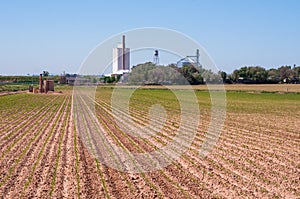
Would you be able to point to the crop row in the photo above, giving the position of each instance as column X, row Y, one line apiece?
column 30, row 148
column 227, row 158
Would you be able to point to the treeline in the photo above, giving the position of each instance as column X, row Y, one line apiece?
column 19, row 79
column 149, row 73
column 26, row 79
column 259, row 75
column 29, row 79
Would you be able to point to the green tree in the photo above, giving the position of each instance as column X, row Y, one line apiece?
column 273, row 75
column 191, row 74
column 45, row 73
column 251, row 74
column 285, row 72
column 223, row 75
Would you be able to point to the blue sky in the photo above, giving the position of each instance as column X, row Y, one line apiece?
column 58, row 35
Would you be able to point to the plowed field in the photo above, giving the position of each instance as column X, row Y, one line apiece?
column 42, row 154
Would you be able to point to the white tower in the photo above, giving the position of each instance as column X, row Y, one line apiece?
column 121, row 58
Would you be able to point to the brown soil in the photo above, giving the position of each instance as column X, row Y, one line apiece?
column 256, row 157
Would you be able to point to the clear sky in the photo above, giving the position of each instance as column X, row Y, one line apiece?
column 57, row 35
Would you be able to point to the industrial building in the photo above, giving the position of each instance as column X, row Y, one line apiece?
column 121, row 58
column 190, row 60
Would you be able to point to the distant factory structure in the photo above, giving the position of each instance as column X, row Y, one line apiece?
column 190, row 60
column 121, row 58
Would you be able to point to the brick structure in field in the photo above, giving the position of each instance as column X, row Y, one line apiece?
column 48, row 85
column 44, row 86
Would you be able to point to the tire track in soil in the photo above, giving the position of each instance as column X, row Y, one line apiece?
column 40, row 185
column 16, row 181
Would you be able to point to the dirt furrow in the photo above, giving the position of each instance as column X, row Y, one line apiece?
column 66, row 168
column 195, row 187
column 25, row 170
column 8, row 156
column 142, row 190
column 263, row 132
column 40, row 185
column 90, row 183
column 255, row 157
column 15, row 112
column 24, row 133
column 109, row 177
column 168, row 183
column 231, row 165
column 254, row 153
column 26, row 120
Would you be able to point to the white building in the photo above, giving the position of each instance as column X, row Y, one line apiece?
column 118, row 58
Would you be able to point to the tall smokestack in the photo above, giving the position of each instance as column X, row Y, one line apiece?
column 123, row 52
column 197, row 57
column 41, row 83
